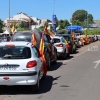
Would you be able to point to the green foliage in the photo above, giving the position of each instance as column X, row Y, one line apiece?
column 76, row 22
column 22, row 25
column 46, row 24
column 57, row 22
column 92, row 32
column 1, row 26
column 62, row 31
column 51, row 28
column 90, row 19
column 81, row 17
column 63, row 23
column 41, row 28
column 22, row 29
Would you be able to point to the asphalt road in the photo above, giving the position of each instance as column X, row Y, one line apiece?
column 75, row 78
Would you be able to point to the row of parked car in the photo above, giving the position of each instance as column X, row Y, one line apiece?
column 21, row 63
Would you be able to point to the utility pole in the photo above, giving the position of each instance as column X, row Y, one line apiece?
column 53, row 7
column 9, row 18
column 87, row 21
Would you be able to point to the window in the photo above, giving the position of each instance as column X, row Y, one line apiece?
column 35, row 51
column 56, row 40
column 62, row 39
column 16, row 52
column 45, row 38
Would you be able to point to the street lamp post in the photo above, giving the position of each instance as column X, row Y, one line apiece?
column 53, row 6
column 9, row 18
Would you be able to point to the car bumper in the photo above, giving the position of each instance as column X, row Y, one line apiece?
column 60, row 52
column 15, row 79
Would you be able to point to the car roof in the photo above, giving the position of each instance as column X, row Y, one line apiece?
column 29, row 33
column 18, row 43
column 57, row 37
column 66, row 34
column 63, row 35
column 27, row 36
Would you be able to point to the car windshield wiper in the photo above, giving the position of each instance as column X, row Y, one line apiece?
column 7, row 56
column 14, row 56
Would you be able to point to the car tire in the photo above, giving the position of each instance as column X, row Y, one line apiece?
column 48, row 61
column 55, row 61
column 64, row 55
column 68, row 55
column 35, row 88
column 72, row 50
column 44, row 76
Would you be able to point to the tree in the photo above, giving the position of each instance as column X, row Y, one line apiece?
column 63, row 23
column 1, row 26
column 46, row 24
column 90, row 19
column 41, row 28
column 80, row 15
column 22, row 25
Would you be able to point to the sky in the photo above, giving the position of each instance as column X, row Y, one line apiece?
column 43, row 9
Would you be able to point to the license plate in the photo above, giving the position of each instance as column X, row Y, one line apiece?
column 7, row 68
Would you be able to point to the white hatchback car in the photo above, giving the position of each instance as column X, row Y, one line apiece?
column 20, row 64
column 62, row 49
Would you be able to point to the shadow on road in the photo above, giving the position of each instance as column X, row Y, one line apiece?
column 55, row 66
column 70, row 57
column 76, row 52
column 45, row 86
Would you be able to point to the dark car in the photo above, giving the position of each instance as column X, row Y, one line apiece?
column 70, row 41
column 49, row 50
column 5, row 39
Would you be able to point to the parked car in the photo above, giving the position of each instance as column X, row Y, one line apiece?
column 20, row 64
column 49, row 49
column 70, row 41
column 5, row 39
column 62, row 49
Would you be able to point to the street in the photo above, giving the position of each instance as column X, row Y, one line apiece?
column 75, row 78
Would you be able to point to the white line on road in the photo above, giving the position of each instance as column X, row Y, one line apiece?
column 81, row 53
column 77, row 55
column 74, row 58
column 96, row 66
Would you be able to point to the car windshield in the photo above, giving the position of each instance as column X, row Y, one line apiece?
column 67, row 38
column 16, row 52
column 56, row 40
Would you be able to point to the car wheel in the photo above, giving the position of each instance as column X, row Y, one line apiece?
column 72, row 50
column 48, row 61
column 64, row 56
column 68, row 54
column 43, row 77
column 35, row 88
column 55, row 61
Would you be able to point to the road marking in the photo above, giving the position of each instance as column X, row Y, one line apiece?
column 75, row 56
column 68, row 60
column 81, row 53
column 97, row 63
column 78, row 55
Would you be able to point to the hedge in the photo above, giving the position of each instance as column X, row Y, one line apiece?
column 92, row 32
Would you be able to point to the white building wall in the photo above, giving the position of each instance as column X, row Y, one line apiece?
column 20, row 16
column 35, row 26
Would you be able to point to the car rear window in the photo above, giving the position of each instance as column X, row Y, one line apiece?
column 15, row 52
column 56, row 40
